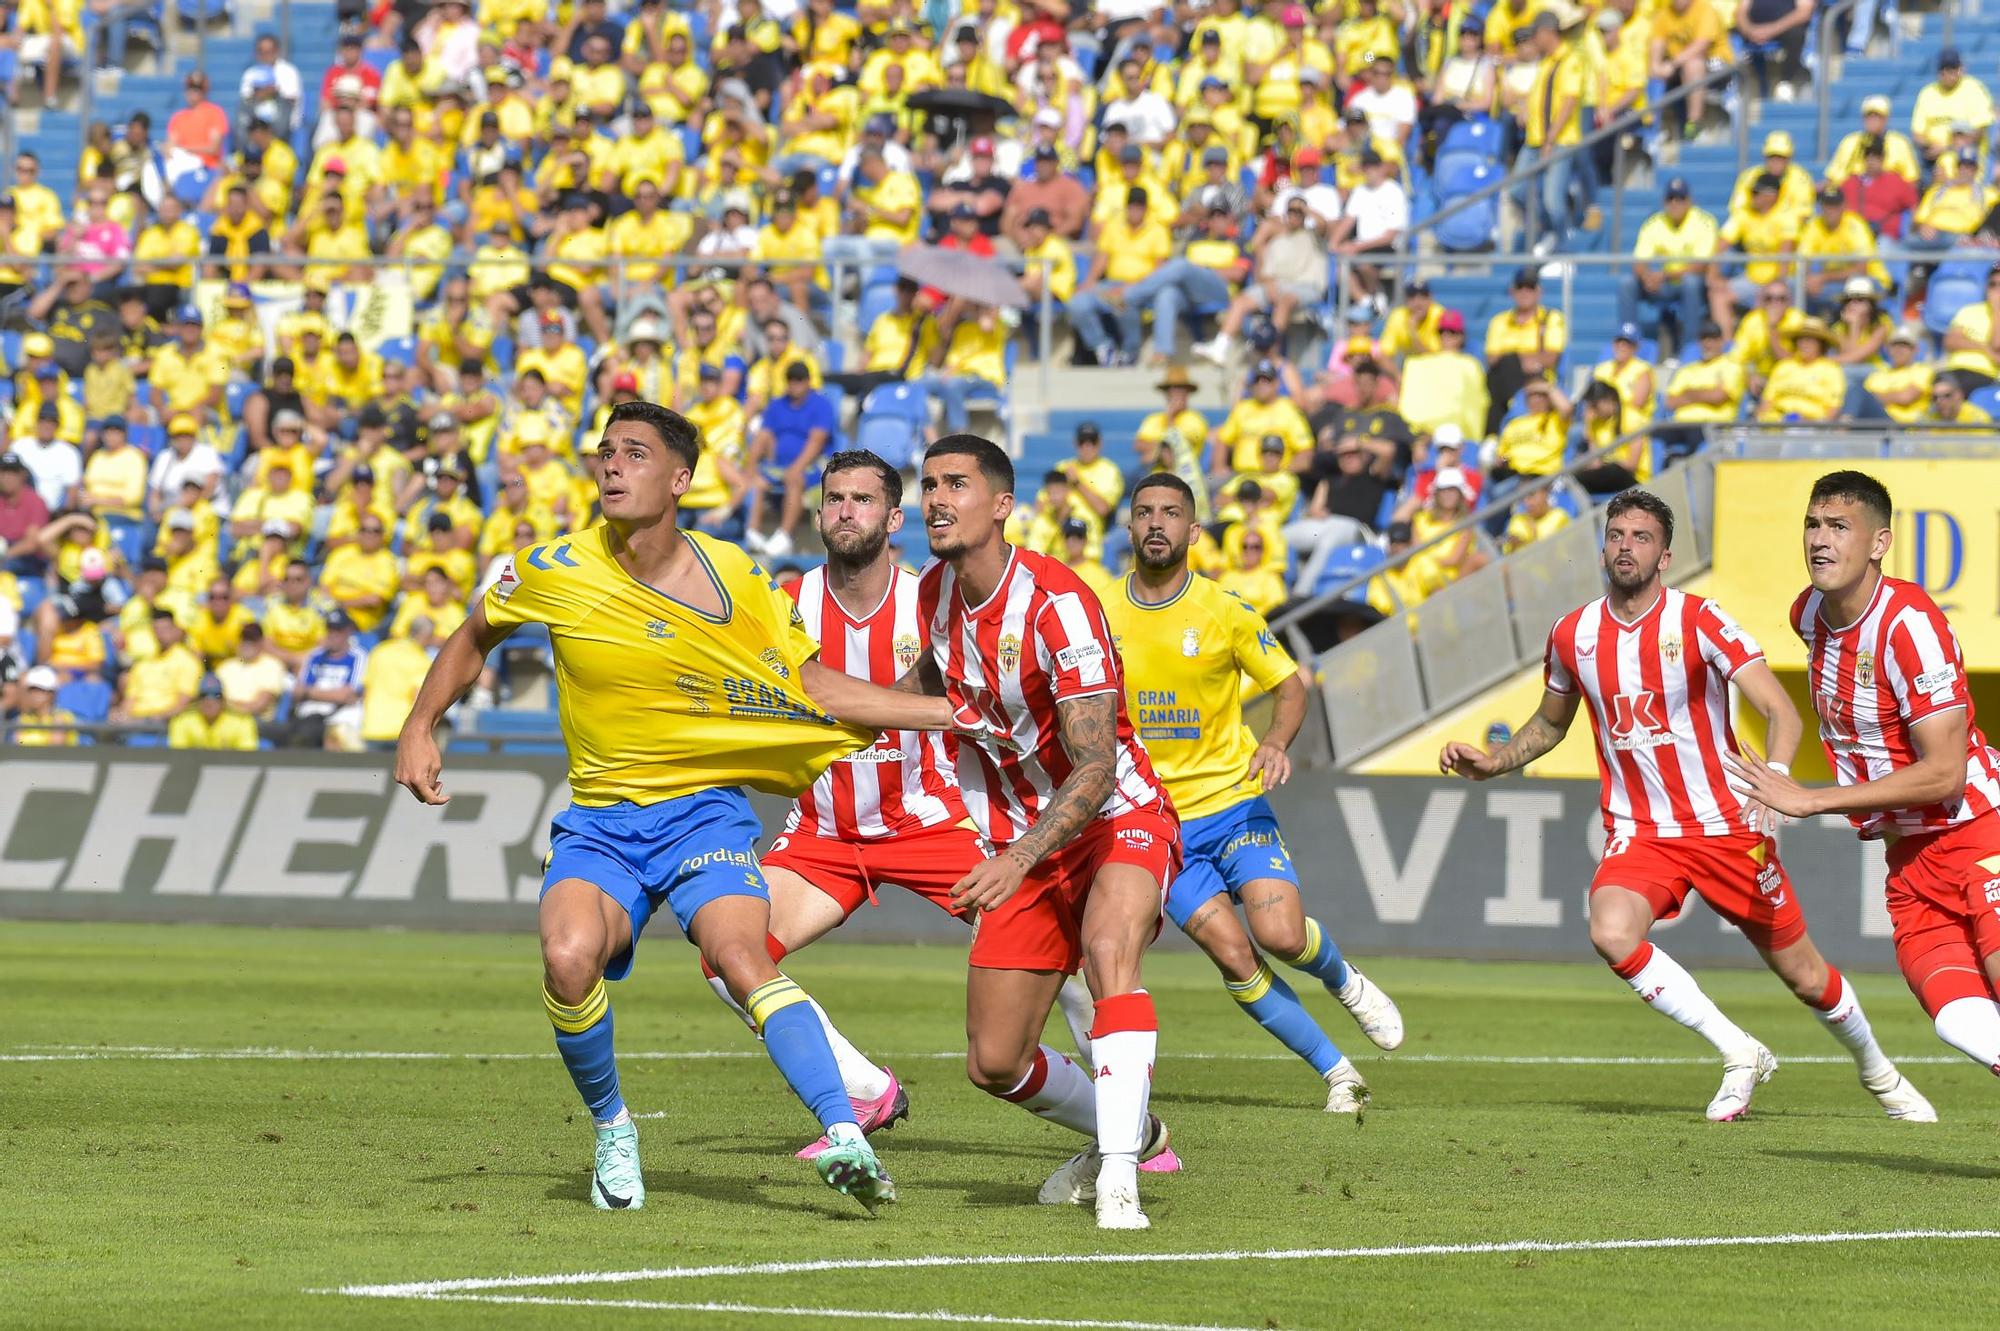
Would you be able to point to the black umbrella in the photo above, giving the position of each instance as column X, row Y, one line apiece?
column 960, row 104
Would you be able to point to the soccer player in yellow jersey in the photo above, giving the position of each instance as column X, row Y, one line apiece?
column 683, row 676
column 1187, row 645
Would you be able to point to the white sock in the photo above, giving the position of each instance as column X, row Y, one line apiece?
column 1063, row 1094
column 841, row 1133
column 1673, row 993
column 1849, row 1025
column 858, row 1073
column 1079, row 1009
column 618, row 1120
column 729, row 1001
column 1972, row 1026
column 1123, row 1086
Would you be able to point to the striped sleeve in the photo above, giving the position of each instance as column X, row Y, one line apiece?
column 1075, row 648
column 1556, row 676
column 1923, row 667
column 1723, row 642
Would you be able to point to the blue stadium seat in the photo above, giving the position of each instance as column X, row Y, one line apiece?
column 1345, row 565
column 912, row 402
column 402, row 350
column 891, row 437
column 1474, row 228
column 88, row 700
column 1953, row 286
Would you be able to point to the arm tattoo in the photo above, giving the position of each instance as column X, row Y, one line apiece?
column 1535, row 738
column 923, row 678
column 1090, row 736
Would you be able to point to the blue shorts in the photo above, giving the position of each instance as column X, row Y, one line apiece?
column 687, row 852
column 1225, row 851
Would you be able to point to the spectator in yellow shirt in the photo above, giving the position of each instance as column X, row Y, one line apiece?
column 1685, row 34
column 389, row 682
column 216, row 626
column 1900, row 390
column 1972, row 342
column 970, row 361
column 885, row 205
column 1175, row 439
column 1522, row 344
column 1046, row 256
column 362, row 579
column 1759, row 232
column 1237, row 444
column 1129, row 249
column 1899, row 156
column 210, row 723
column 1953, row 207
column 1533, row 443
column 1534, row 519
column 1412, row 327
column 254, row 678
column 1806, row 385
column 1833, row 230
column 114, row 480
column 1632, row 377
column 1672, row 266
column 1705, row 390
column 162, row 684
column 1950, row 409
column 39, row 722
column 1955, row 98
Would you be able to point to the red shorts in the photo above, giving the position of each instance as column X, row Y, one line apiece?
column 1738, row 876
column 929, row 863
column 1944, row 908
column 1040, row 927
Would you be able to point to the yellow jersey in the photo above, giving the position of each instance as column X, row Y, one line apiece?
column 658, row 699
column 230, row 730
column 1185, row 660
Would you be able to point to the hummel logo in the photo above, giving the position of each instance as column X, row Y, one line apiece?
column 615, row 1203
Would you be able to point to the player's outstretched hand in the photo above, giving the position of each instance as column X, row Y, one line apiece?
column 1272, row 764
column 419, row 766
column 1754, row 780
column 990, row 883
column 1467, row 760
column 966, row 720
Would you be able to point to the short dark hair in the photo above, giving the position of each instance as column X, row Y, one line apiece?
column 863, row 459
column 1856, row 487
column 676, row 431
column 993, row 462
column 1166, row 480
column 1643, row 501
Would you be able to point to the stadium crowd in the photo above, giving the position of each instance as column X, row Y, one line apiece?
column 234, row 512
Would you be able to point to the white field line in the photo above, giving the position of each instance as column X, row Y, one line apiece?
column 71, row 1053
column 934, row 1317
column 430, row 1289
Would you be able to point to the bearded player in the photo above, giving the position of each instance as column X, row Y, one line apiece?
column 1655, row 665
column 1910, row 765
column 1084, row 838
column 1186, row 646
column 889, row 815
column 659, row 816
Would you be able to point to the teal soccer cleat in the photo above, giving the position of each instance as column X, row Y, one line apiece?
column 850, row 1168
column 617, row 1184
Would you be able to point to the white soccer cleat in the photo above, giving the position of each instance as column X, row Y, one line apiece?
column 1902, row 1101
column 1374, row 1011
column 1742, row 1074
column 1346, row 1092
column 1075, row 1180
column 1118, row 1208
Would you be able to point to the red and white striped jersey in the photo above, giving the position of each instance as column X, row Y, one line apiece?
column 1875, row 679
column 904, row 780
column 1039, row 640
column 1658, row 691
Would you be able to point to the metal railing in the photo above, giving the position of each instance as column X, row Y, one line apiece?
column 1521, row 177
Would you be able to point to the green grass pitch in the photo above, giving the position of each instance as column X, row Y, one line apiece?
column 143, row 1189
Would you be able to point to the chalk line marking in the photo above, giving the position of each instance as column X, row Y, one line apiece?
column 429, row 1289
column 55, row 1053
column 931, row 1317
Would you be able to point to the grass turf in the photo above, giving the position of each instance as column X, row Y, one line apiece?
column 207, row 1191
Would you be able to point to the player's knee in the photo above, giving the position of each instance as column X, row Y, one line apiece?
column 1236, row 958
column 1112, row 964
column 573, row 964
column 1285, row 940
column 742, row 963
column 1613, row 936
column 995, row 1071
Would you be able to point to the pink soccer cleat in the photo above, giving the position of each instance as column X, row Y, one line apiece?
column 877, row 1115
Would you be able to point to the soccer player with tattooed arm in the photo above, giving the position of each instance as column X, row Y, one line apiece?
column 1084, row 839
column 1910, row 765
column 683, row 675
column 1655, row 666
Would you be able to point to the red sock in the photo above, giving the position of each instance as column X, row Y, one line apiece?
column 1031, row 1085
column 1830, row 996
column 1635, row 963
column 1125, row 1012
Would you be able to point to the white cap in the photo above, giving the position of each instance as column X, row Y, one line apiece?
column 1048, row 115
column 180, row 520
column 1285, row 199
column 1451, row 478
column 1448, row 435
column 42, row 677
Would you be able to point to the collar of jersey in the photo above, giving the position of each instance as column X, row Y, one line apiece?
column 1137, row 604
column 708, row 567
column 1819, row 612
column 996, row 604
column 1644, row 615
